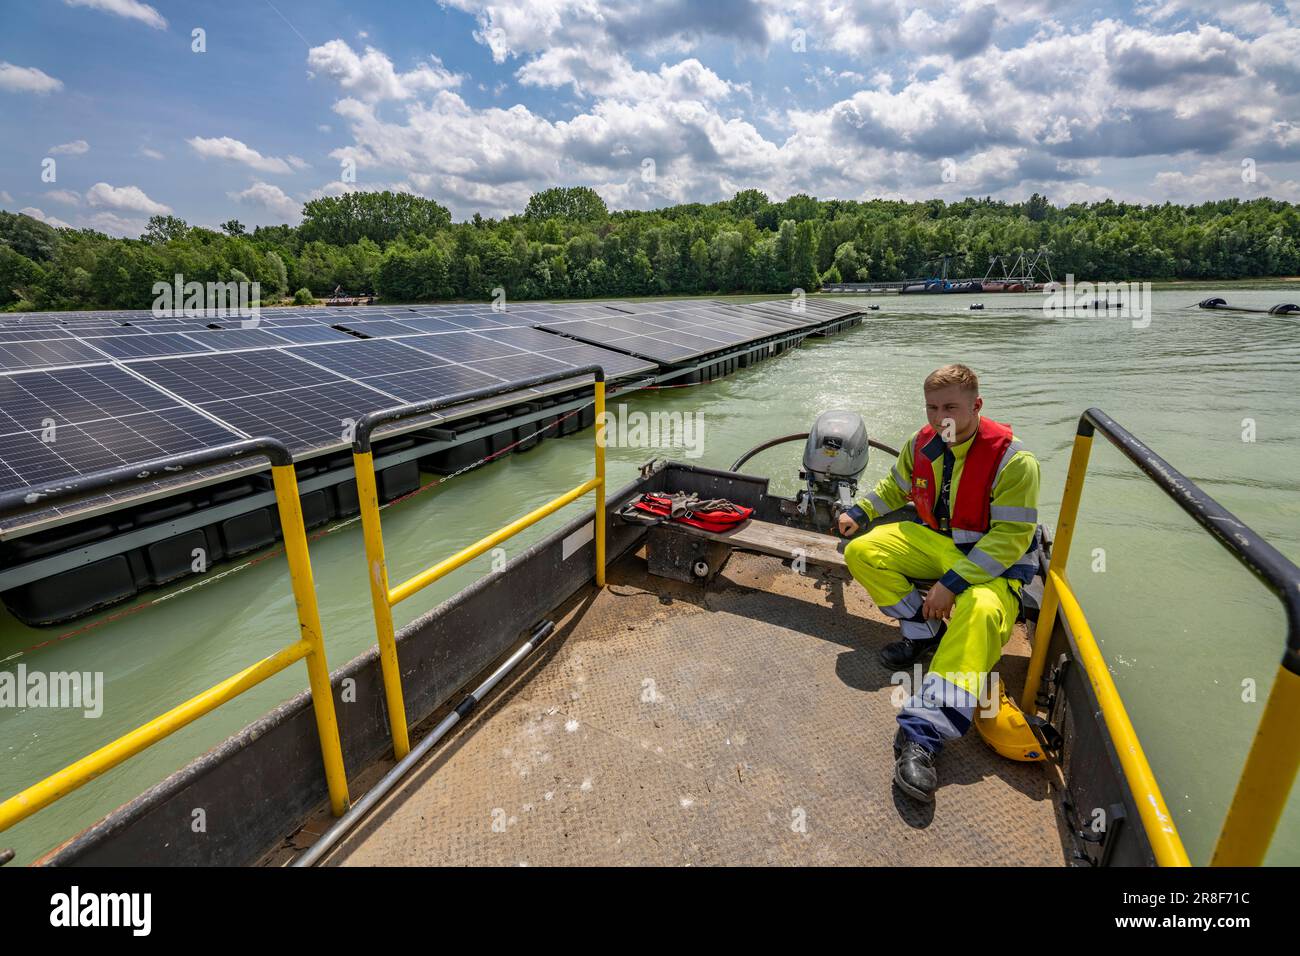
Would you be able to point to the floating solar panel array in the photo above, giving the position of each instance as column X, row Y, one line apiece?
column 84, row 391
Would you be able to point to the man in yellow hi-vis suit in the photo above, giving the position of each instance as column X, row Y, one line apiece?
column 975, row 489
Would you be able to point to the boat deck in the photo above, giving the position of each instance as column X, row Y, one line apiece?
column 665, row 724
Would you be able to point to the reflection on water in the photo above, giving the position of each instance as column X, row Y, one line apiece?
column 1185, row 629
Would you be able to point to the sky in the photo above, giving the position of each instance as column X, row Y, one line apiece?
column 115, row 110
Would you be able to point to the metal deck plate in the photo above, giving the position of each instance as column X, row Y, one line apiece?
column 665, row 725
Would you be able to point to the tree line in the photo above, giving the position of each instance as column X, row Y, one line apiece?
column 568, row 244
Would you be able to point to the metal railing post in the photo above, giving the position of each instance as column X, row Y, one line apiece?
column 377, row 573
column 383, row 597
column 601, row 435
column 1266, row 780
column 304, row 595
column 1060, row 557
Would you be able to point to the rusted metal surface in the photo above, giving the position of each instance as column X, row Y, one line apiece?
column 749, row 723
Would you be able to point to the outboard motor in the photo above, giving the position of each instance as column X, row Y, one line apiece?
column 836, row 454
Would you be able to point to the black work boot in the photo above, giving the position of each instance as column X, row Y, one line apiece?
column 914, row 769
column 901, row 655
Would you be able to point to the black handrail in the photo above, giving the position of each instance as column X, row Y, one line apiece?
column 22, row 501
column 1273, row 568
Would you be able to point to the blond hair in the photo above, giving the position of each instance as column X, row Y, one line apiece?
column 958, row 375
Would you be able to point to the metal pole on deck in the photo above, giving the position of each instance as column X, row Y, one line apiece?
column 367, row 802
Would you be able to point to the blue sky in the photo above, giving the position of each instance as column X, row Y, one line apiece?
column 479, row 105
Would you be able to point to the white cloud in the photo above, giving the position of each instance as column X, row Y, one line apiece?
column 75, row 148
column 150, row 153
column 115, row 225
column 48, row 220
column 66, row 196
column 128, row 198
column 271, row 198
column 1223, row 179
column 225, row 147
column 26, row 79
column 131, row 9
column 5, row 197
column 372, row 76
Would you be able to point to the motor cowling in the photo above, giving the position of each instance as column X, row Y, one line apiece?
column 833, row 458
column 837, row 446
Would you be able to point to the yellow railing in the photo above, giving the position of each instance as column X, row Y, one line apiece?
column 384, row 598
column 1274, row 757
column 310, row 647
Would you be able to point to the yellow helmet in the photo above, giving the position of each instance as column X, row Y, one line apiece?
column 1008, row 732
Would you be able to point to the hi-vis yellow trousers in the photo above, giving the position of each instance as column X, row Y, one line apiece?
column 983, row 617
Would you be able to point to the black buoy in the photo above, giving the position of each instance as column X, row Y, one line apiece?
column 1286, row 309
column 976, row 305
column 1212, row 303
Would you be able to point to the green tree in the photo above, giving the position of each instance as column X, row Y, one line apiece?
column 164, row 229
column 579, row 203
column 749, row 203
column 378, row 216
column 18, row 275
column 28, row 237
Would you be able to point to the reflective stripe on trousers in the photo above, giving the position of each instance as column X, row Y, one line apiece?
column 983, row 616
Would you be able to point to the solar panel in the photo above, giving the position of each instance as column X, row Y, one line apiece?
column 477, row 321
column 431, row 383
column 126, row 385
column 377, row 328
column 307, row 334
column 316, row 417
column 515, row 367
column 147, row 346
column 54, row 425
column 424, row 324
column 33, row 335
column 461, row 347
column 615, row 364
column 218, row 377
column 23, row 355
column 31, row 400
column 654, row 348
column 82, row 449
column 362, row 358
column 222, row 340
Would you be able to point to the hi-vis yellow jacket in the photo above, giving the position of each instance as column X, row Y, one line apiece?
column 1010, row 546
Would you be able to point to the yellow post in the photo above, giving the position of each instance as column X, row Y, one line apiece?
column 600, row 485
column 377, row 573
column 1266, row 780
column 1060, row 556
column 304, row 595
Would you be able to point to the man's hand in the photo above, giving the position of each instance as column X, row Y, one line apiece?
column 938, row 603
column 847, row 526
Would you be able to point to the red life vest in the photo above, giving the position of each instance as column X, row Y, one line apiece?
column 714, row 515
column 970, row 512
